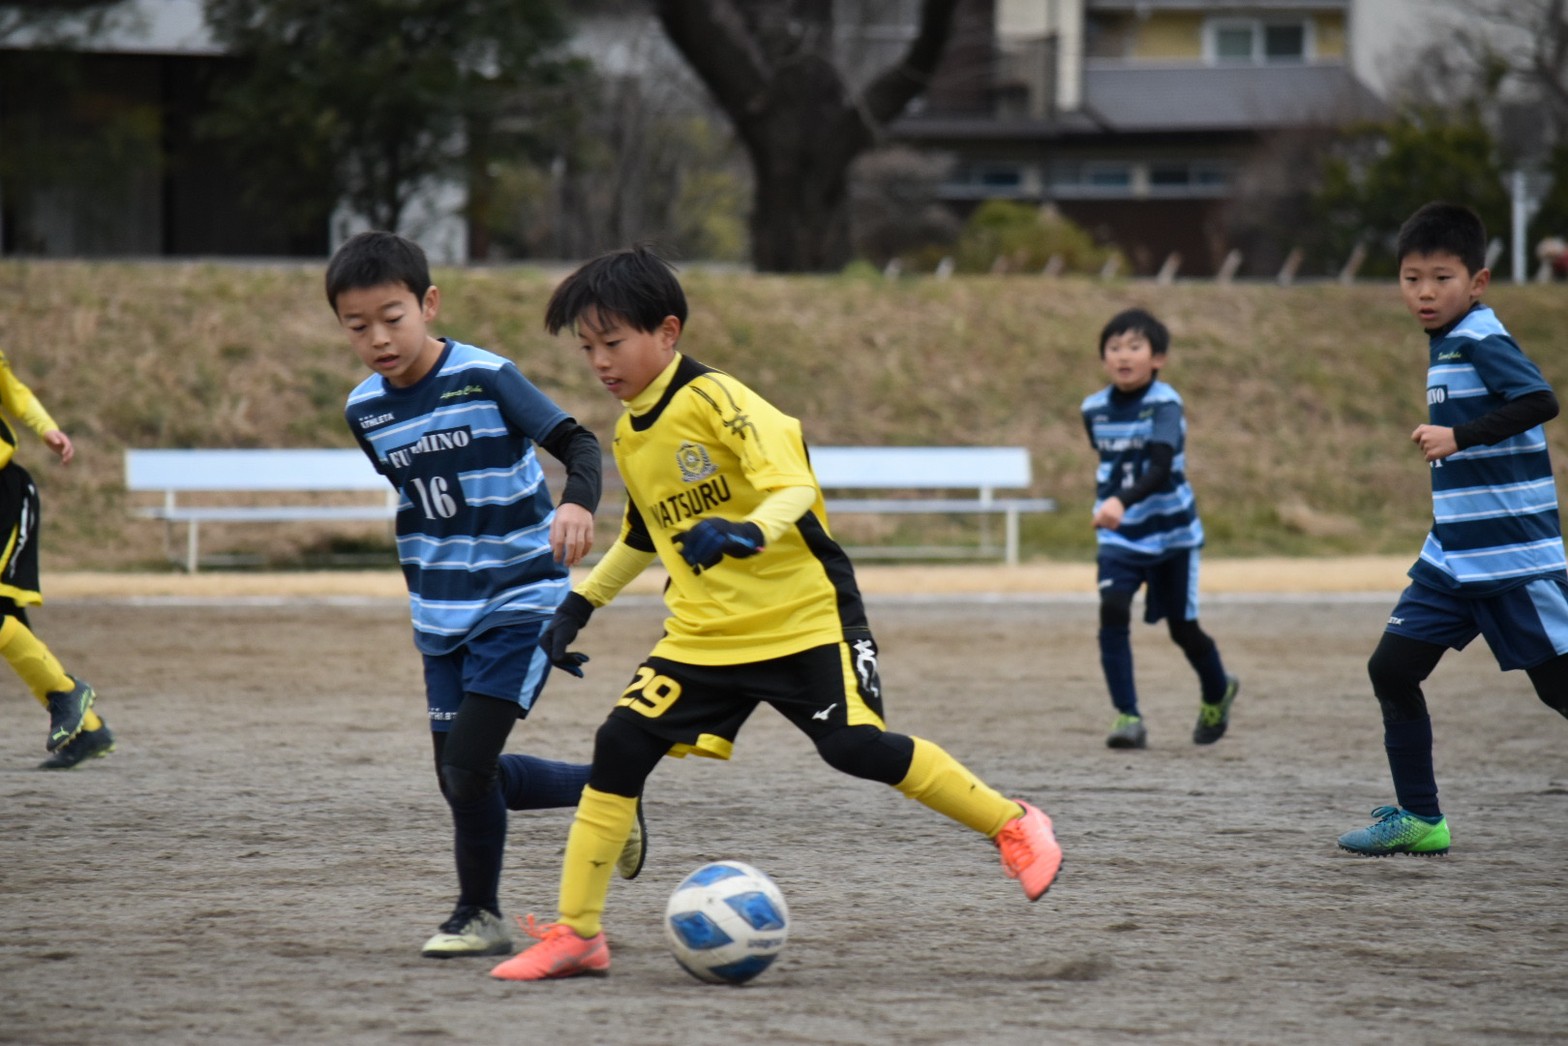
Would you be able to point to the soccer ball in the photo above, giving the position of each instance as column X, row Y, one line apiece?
column 726, row 922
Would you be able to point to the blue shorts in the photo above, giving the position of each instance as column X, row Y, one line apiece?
column 1172, row 581
column 1525, row 626
column 504, row 662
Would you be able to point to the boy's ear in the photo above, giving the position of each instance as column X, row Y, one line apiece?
column 1479, row 282
column 669, row 331
column 432, row 303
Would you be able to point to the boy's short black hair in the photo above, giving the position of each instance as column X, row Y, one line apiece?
column 370, row 259
column 1142, row 322
column 632, row 284
column 1444, row 228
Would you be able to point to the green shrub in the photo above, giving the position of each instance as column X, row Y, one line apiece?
column 1014, row 237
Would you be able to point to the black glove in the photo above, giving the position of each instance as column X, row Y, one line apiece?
column 712, row 539
column 569, row 617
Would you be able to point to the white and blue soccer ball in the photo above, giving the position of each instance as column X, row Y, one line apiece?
column 726, row 922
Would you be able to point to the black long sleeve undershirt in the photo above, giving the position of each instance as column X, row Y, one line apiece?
column 1161, row 457
column 1512, row 418
column 577, row 449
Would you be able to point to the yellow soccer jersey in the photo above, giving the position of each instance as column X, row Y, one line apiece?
column 708, row 446
column 19, row 400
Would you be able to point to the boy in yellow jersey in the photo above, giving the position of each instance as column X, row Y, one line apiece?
column 763, row 606
column 75, row 730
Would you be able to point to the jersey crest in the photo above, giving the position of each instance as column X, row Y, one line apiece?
column 694, row 462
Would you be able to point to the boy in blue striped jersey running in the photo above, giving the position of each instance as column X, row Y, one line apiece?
column 1493, row 562
column 484, row 552
column 1147, row 526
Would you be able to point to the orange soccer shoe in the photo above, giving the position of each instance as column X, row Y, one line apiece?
column 1030, row 852
column 558, row 953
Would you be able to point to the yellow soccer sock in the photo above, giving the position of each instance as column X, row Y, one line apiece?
column 598, row 834
column 946, row 786
column 39, row 669
column 91, row 722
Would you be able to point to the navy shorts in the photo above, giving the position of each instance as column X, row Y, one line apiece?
column 1525, row 626
column 1172, row 581
column 504, row 662
column 700, row 708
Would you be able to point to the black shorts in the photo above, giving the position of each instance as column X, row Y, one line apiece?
column 19, row 532
column 700, row 708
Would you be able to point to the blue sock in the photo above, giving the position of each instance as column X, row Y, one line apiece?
column 1116, row 660
column 478, row 843
column 1409, row 748
column 531, row 783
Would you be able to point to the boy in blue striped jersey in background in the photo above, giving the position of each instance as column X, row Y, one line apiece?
column 484, row 552
column 1147, row 526
column 1493, row 562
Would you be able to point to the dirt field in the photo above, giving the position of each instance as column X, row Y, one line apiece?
column 261, row 858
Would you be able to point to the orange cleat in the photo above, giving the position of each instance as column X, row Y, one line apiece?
column 1030, row 852
column 560, row 952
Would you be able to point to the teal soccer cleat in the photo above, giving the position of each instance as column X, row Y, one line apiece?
column 1398, row 831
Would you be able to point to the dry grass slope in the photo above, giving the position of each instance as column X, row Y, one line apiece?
column 1300, row 400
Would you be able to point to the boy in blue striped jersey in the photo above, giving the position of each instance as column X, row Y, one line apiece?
column 1493, row 562
column 1146, row 525
column 484, row 552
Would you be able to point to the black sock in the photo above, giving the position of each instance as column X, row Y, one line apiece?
column 1409, row 748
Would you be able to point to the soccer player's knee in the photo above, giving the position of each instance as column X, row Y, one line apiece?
column 463, row 785
column 1115, row 611
column 615, row 742
column 1397, row 685
column 1553, row 695
column 1191, row 637
column 1388, row 671
column 1556, row 702
column 865, row 751
column 1551, row 684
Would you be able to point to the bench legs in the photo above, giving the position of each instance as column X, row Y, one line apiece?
column 191, row 545
column 191, row 558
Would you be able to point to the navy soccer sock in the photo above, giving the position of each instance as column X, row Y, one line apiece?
column 1116, row 660
column 1409, row 747
column 531, row 783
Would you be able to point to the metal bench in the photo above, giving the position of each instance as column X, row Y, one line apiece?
column 928, row 479
column 173, row 473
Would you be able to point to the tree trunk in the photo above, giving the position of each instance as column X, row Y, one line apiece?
column 769, row 65
column 799, row 224
column 801, row 142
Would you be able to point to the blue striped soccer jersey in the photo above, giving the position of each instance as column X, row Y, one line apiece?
column 1122, row 426
column 473, row 520
column 1494, row 508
